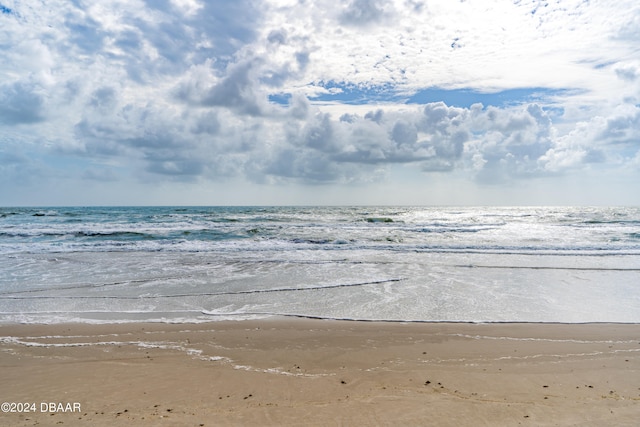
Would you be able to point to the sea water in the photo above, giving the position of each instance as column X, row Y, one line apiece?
column 194, row 264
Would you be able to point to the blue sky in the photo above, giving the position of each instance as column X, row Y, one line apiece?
column 210, row 102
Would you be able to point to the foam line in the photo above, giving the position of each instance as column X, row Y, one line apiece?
column 382, row 320
column 100, row 285
column 547, row 267
column 253, row 291
column 534, row 252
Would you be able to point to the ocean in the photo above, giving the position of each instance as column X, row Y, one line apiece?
column 198, row 264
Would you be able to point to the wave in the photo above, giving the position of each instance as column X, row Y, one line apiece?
column 327, row 241
column 416, row 321
column 378, row 219
column 114, row 234
column 632, row 222
column 528, row 231
column 205, row 316
column 225, row 220
column 453, row 229
column 263, row 244
column 45, row 213
column 12, row 295
column 114, row 317
column 93, row 286
column 531, row 250
column 533, row 267
column 33, row 233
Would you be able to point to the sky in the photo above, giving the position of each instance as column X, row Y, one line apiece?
column 327, row 102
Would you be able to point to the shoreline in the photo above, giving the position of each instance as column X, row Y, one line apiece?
column 295, row 371
column 261, row 317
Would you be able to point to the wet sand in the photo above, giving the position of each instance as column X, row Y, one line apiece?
column 322, row 373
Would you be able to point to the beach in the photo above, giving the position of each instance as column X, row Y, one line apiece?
column 281, row 371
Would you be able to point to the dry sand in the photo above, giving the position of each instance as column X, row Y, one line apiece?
column 313, row 372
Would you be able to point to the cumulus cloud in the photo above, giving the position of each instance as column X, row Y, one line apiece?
column 490, row 144
column 364, row 12
column 237, row 91
column 200, row 91
column 628, row 71
column 21, row 102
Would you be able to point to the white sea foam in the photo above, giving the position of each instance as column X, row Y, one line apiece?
column 106, row 265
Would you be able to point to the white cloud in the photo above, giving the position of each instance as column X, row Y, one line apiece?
column 179, row 91
column 497, row 44
column 21, row 102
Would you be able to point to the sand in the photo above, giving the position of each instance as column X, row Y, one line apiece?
column 322, row 373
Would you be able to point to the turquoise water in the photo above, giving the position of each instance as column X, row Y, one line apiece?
column 184, row 264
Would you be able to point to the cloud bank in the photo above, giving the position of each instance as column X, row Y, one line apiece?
column 283, row 93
